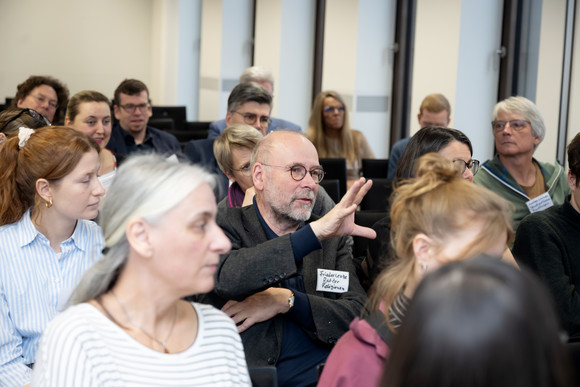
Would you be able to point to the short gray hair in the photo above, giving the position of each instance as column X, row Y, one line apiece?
column 257, row 74
column 248, row 92
column 145, row 186
column 523, row 107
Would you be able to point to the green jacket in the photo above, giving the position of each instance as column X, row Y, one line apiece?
column 495, row 177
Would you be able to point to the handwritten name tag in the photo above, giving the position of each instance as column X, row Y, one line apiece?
column 540, row 203
column 334, row 281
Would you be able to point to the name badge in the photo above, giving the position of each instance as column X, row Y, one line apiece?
column 540, row 203
column 333, row 281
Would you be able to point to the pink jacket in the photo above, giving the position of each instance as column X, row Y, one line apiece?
column 356, row 359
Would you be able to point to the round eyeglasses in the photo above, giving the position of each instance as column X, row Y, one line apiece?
column 473, row 165
column 298, row 172
column 517, row 125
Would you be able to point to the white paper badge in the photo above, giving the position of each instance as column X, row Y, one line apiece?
column 333, row 281
column 540, row 203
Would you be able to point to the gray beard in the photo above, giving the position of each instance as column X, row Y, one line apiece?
column 289, row 215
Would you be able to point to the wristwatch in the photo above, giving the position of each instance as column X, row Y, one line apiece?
column 291, row 299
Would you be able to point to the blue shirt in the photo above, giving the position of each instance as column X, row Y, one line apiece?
column 217, row 127
column 35, row 283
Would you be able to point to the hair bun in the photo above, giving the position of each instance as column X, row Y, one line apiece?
column 433, row 166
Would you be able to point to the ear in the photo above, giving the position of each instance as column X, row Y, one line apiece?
column 423, row 249
column 571, row 180
column 67, row 121
column 537, row 140
column 419, row 118
column 138, row 237
column 258, row 177
column 2, row 137
column 230, row 176
column 43, row 189
column 116, row 111
column 228, row 119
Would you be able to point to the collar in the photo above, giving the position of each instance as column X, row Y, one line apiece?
column 130, row 140
column 28, row 233
column 270, row 234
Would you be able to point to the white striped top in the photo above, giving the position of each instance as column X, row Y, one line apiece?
column 82, row 347
column 35, row 283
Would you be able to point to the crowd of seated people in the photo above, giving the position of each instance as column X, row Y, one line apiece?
column 121, row 263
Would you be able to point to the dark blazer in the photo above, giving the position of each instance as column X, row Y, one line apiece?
column 163, row 142
column 256, row 263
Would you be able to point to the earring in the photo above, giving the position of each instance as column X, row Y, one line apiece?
column 48, row 204
column 424, row 267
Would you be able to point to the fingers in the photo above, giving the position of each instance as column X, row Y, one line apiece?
column 364, row 232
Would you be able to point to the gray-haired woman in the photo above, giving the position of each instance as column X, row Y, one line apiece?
column 129, row 324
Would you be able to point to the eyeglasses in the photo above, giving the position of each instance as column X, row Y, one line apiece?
column 245, row 170
column 41, row 99
column 130, row 108
column 332, row 109
column 516, row 125
column 251, row 118
column 32, row 113
column 298, row 172
column 473, row 165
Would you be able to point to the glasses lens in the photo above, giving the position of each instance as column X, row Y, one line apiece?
column 298, row 172
column 317, row 174
column 474, row 166
column 460, row 165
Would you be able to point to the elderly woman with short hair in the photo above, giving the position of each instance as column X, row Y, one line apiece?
column 518, row 129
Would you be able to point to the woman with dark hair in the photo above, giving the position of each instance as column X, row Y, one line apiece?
column 450, row 143
column 49, row 190
column 437, row 217
column 128, row 324
column 46, row 95
column 330, row 132
column 12, row 119
column 479, row 323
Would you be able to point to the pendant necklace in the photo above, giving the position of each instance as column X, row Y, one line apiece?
column 162, row 343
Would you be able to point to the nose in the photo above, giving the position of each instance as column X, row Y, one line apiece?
column 309, row 181
column 468, row 175
column 220, row 242
column 100, row 128
column 99, row 189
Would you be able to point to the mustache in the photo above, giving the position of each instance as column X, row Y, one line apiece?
column 304, row 194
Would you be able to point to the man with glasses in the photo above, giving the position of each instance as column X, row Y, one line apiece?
column 46, row 95
column 289, row 281
column 518, row 128
column 132, row 108
column 249, row 103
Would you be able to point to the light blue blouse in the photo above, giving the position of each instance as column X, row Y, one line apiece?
column 35, row 283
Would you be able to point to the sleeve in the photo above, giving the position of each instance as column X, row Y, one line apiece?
column 332, row 316
column 345, row 362
column 13, row 371
column 63, row 357
column 247, row 270
column 542, row 247
column 214, row 130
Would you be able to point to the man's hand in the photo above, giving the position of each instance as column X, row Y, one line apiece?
column 258, row 307
column 340, row 220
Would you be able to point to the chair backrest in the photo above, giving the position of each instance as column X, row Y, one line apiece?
column 165, row 124
column 176, row 113
column 377, row 199
column 375, row 168
column 198, row 129
column 263, row 376
column 332, row 187
column 573, row 349
column 335, row 169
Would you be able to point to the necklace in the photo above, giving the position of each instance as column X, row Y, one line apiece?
column 162, row 343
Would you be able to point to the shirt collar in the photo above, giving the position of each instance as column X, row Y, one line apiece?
column 29, row 233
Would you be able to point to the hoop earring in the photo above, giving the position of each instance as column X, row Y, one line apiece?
column 48, row 204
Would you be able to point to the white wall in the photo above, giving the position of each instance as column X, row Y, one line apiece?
column 87, row 45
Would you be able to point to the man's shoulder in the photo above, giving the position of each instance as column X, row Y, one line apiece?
column 280, row 124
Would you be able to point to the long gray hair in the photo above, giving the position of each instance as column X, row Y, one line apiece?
column 145, row 186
